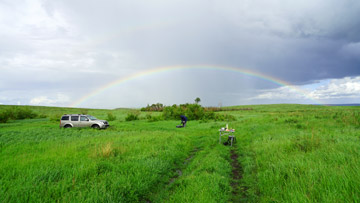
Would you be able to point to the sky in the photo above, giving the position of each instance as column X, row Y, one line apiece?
column 117, row 53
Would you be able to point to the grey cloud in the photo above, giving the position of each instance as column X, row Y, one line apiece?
column 351, row 50
column 93, row 43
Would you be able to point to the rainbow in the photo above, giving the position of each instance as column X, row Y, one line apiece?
column 197, row 67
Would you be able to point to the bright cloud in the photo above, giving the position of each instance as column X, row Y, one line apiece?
column 332, row 90
column 58, row 100
column 338, row 88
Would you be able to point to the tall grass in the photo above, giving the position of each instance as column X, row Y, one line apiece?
column 289, row 153
column 302, row 156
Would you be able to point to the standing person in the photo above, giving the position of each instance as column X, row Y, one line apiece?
column 183, row 120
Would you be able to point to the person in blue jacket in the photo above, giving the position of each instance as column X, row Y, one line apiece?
column 183, row 120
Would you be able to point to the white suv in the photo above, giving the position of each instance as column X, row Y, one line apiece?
column 80, row 120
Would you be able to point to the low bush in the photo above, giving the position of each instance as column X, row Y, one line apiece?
column 4, row 116
column 23, row 113
column 55, row 117
column 209, row 115
column 132, row 116
column 192, row 111
column 110, row 116
column 152, row 118
column 17, row 113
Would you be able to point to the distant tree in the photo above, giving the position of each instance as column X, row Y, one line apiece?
column 153, row 107
column 197, row 100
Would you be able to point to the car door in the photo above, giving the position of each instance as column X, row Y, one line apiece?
column 84, row 121
column 75, row 121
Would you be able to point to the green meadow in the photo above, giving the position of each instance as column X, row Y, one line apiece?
column 283, row 153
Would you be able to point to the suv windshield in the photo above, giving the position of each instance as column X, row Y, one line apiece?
column 92, row 118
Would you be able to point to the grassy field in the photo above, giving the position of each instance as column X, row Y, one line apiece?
column 283, row 153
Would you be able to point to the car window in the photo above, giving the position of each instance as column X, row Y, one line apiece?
column 92, row 117
column 74, row 118
column 65, row 118
column 84, row 118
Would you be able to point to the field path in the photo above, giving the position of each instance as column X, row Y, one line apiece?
column 159, row 192
column 177, row 174
column 179, row 171
column 238, row 192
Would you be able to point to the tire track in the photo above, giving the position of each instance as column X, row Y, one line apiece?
column 199, row 145
column 177, row 174
column 238, row 191
column 186, row 162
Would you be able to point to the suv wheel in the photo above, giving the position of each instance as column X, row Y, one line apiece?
column 67, row 126
column 95, row 126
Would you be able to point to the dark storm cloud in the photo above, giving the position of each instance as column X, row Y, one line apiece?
column 299, row 42
column 274, row 37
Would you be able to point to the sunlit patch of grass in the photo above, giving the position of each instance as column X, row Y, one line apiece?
column 108, row 150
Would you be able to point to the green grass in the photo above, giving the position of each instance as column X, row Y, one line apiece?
column 288, row 153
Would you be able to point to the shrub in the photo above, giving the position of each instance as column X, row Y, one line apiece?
column 148, row 116
column 110, row 117
column 209, row 115
column 42, row 115
column 194, row 111
column 55, row 117
column 155, row 118
column 16, row 113
column 173, row 112
column 132, row 116
column 23, row 113
column 191, row 111
column 5, row 116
